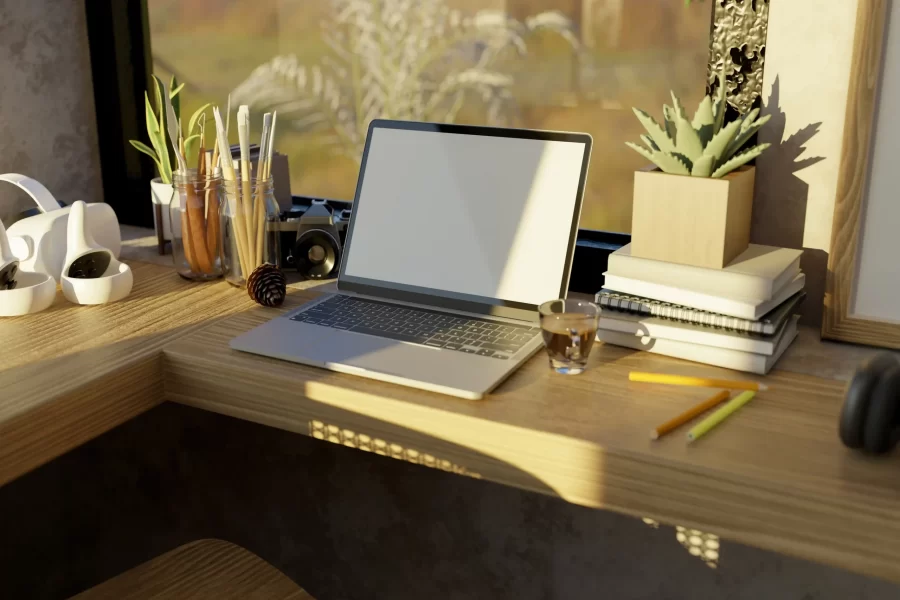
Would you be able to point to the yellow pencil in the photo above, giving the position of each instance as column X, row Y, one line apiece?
column 689, row 414
column 707, row 424
column 727, row 384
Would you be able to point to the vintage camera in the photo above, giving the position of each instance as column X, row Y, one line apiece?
column 312, row 239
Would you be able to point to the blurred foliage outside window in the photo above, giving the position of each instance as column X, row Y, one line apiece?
column 330, row 66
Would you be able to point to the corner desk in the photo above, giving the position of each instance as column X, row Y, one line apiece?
column 774, row 477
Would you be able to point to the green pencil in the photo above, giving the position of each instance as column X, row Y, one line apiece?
column 707, row 424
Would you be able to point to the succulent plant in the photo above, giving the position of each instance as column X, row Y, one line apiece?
column 162, row 150
column 702, row 147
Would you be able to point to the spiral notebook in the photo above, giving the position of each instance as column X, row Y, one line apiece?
column 767, row 325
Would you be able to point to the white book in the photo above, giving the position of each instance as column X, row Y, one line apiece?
column 743, row 309
column 756, row 274
column 655, row 327
column 749, row 362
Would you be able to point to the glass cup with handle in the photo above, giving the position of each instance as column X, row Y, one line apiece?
column 569, row 328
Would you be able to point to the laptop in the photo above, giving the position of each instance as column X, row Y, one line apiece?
column 458, row 234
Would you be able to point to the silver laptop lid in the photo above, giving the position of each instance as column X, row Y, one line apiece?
column 479, row 219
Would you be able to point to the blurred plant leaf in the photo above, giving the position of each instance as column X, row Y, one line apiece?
column 403, row 59
column 142, row 147
column 158, row 141
column 174, row 90
column 191, row 149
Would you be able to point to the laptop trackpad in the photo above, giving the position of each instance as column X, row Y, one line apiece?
column 327, row 347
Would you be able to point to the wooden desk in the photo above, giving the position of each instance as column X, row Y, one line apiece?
column 73, row 372
column 775, row 477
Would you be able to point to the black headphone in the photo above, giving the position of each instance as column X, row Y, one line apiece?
column 870, row 418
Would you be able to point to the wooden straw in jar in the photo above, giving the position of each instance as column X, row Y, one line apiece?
column 195, row 214
column 186, row 240
column 212, row 209
column 243, row 117
column 262, row 176
column 239, row 229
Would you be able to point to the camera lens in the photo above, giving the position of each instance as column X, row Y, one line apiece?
column 316, row 254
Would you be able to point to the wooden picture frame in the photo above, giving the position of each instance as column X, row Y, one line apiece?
column 855, row 175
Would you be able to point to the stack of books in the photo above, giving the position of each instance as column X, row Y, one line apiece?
column 741, row 317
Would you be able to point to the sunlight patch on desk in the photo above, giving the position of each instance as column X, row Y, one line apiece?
column 539, row 461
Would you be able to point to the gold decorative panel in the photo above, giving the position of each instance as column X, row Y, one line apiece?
column 366, row 443
column 738, row 42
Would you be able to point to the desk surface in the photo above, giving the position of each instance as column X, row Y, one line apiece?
column 73, row 372
column 775, row 477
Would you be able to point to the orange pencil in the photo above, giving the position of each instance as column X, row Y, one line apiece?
column 688, row 415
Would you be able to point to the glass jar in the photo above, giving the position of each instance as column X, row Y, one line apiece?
column 194, row 214
column 250, row 235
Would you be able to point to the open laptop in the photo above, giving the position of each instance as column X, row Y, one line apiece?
column 458, row 233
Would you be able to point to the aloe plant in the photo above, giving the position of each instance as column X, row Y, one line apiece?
column 162, row 150
column 702, row 147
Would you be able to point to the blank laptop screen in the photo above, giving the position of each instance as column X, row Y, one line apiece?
column 466, row 215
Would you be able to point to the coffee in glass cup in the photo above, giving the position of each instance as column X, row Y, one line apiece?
column 569, row 328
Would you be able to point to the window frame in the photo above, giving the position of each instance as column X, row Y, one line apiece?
column 119, row 42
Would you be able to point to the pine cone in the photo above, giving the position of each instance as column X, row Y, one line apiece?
column 267, row 285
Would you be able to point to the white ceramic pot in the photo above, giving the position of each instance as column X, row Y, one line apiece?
column 161, row 194
column 39, row 241
column 115, row 282
column 33, row 293
column 114, row 285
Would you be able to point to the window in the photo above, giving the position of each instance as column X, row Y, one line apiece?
column 330, row 66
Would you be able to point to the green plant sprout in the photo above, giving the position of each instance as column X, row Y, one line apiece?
column 701, row 147
column 162, row 151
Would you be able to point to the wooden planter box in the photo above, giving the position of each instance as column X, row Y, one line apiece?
column 692, row 220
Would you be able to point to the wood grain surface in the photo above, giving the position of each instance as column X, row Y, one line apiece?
column 72, row 372
column 201, row 570
column 696, row 221
column 852, row 184
column 774, row 476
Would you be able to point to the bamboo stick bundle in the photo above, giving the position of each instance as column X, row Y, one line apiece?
column 212, row 213
column 243, row 122
column 234, row 196
column 262, row 176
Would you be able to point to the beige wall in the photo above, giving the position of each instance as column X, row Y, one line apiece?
column 808, row 54
column 48, row 128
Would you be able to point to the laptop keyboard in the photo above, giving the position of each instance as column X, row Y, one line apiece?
column 419, row 326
